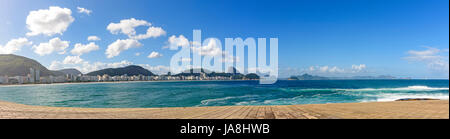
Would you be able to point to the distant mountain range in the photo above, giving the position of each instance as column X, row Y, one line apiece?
column 70, row 71
column 312, row 77
column 129, row 70
column 13, row 65
column 231, row 72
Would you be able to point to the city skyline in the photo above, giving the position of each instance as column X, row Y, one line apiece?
column 337, row 39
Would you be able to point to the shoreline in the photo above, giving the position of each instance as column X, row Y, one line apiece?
column 15, row 85
column 423, row 109
column 68, row 83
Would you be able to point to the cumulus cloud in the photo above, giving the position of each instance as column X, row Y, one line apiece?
column 93, row 38
column 154, row 55
column 14, row 45
column 160, row 69
column 54, row 20
column 56, row 65
column 53, row 45
column 326, row 69
column 359, row 67
column 84, row 10
column 175, row 42
column 128, row 27
column 186, row 59
column 115, row 48
column 211, row 49
column 80, row 49
column 434, row 58
column 152, row 32
column 72, row 60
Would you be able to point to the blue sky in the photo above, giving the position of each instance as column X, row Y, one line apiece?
column 404, row 38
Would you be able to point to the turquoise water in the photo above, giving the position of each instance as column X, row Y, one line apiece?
column 221, row 93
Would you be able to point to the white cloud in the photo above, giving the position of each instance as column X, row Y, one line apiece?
column 84, row 10
column 230, row 58
column 80, row 49
column 93, row 38
column 127, row 26
column 359, row 67
column 154, row 55
column 56, row 65
column 72, row 60
column 326, row 69
column 53, row 45
column 186, row 59
column 118, row 46
column 434, row 58
column 137, row 54
column 211, row 49
column 156, row 69
column 175, row 42
column 54, row 20
column 14, row 45
column 152, row 32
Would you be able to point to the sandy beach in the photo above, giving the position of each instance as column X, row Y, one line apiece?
column 430, row 109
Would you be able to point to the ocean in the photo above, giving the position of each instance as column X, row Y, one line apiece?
column 221, row 93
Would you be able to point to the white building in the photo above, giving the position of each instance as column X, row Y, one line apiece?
column 32, row 75
column 4, row 80
column 38, row 76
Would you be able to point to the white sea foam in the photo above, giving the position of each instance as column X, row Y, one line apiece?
column 208, row 101
column 409, row 88
column 396, row 96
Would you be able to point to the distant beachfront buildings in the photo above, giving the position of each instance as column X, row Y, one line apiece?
column 34, row 78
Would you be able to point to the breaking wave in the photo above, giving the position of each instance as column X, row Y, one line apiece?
column 409, row 88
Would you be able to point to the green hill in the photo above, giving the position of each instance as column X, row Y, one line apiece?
column 129, row 70
column 13, row 65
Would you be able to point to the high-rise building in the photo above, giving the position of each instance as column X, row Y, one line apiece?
column 4, row 80
column 32, row 75
column 35, row 76
column 38, row 76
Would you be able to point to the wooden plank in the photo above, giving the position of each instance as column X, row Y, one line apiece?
column 269, row 114
column 261, row 113
column 253, row 112
column 278, row 113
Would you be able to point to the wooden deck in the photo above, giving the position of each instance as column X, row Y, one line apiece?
column 432, row 109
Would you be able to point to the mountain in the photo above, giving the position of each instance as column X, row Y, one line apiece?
column 312, row 77
column 232, row 70
column 14, row 65
column 252, row 76
column 308, row 77
column 197, row 71
column 129, row 70
column 70, row 71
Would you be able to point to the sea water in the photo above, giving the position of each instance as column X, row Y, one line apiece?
column 221, row 93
